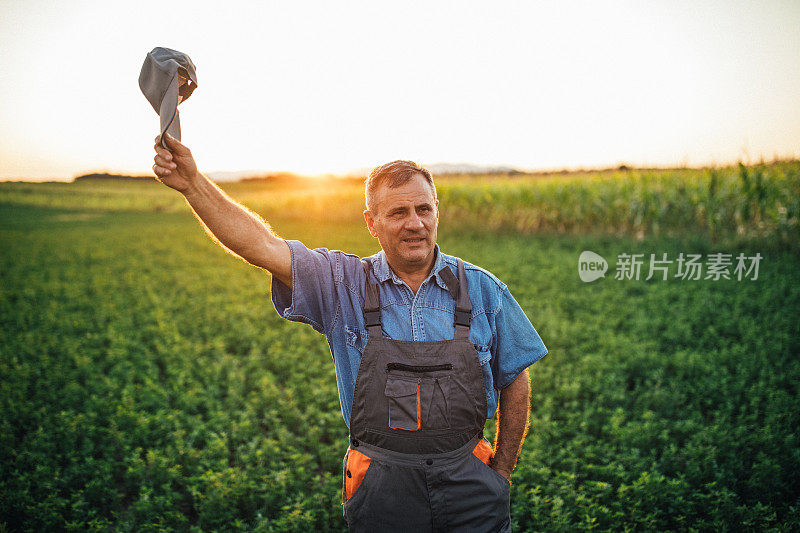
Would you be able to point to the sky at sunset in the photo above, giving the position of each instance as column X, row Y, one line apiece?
column 317, row 87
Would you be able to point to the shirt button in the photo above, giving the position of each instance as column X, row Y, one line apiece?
column 355, row 443
column 349, row 474
column 429, row 461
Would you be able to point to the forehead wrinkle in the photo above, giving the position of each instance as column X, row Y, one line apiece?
column 390, row 198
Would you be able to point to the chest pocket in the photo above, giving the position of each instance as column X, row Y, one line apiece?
column 405, row 406
column 418, row 396
column 484, row 355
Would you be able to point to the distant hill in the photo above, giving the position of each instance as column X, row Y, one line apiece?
column 94, row 177
column 235, row 175
column 271, row 177
column 437, row 169
column 468, row 168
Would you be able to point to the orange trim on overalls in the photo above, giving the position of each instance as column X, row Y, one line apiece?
column 419, row 415
column 357, row 464
column 483, row 451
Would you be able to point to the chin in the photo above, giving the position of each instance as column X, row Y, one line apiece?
column 418, row 256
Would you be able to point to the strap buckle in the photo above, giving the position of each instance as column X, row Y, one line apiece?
column 372, row 318
column 462, row 318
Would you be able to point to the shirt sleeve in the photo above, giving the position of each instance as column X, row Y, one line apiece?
column 312, row 298
column 516, row 344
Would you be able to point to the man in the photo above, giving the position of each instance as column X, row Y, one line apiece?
column 421, row 343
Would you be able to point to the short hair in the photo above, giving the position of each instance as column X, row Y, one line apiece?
column 394, row 174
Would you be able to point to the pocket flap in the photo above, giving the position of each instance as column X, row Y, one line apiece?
column 396, row 388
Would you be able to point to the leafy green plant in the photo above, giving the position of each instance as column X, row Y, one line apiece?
column 146, row 383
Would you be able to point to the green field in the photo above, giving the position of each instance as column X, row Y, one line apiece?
column 147, row 384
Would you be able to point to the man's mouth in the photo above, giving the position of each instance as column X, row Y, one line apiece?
column 414, row 240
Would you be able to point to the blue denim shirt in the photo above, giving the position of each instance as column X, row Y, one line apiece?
column 328, row 293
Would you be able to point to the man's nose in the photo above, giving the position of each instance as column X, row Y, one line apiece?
column 414, row 222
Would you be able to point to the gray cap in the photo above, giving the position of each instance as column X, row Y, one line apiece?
column 167, row 78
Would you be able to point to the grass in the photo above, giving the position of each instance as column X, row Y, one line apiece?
column 147, row 384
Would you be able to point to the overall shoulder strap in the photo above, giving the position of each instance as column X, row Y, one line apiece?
column 372, row 304
column 460, row 292
column 463, row 313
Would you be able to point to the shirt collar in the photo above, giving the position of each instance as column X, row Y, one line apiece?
column 384, row 272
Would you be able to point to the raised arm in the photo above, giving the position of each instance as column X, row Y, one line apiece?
column 229, row 223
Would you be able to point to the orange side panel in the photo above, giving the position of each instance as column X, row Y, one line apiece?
column 483, row 451
column 357, row 464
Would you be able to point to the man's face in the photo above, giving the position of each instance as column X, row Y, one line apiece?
column 404, row 220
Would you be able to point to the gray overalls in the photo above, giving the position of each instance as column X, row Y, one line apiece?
column 417, row 459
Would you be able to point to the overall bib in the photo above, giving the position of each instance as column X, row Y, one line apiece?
column 417, row 459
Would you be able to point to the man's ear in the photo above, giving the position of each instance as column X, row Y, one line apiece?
column 370, row 220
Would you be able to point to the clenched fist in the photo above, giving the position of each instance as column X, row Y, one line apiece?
column 175, row 167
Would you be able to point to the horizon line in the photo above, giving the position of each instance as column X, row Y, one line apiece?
column 477, row 169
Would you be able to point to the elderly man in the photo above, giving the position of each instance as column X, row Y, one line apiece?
column 421, row 341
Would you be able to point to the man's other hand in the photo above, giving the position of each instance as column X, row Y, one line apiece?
column 505, row 473
column 174, row 167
